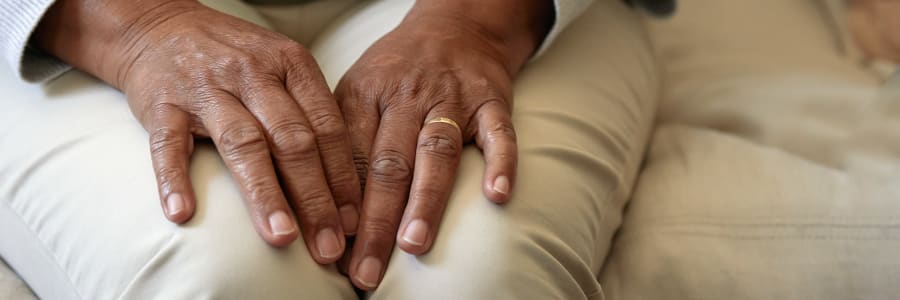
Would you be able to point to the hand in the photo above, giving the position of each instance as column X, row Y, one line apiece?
column 438, row 64
column 875, row 27
column 190, row 71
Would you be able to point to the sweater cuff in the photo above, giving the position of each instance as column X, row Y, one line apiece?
column 18, row 19
column 566, row 12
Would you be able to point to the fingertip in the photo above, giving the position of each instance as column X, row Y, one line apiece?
column 498, row 190
column 501, row 185
column 367, row 275
column 281, row 241
column 411, row 249
column 178, row 208
column 329, row 246
column 495, row 197
column 281, row 231
column 414, row 238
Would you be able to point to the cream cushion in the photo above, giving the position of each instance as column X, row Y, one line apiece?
column 773, row 171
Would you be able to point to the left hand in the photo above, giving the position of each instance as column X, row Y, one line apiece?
column 438, row 81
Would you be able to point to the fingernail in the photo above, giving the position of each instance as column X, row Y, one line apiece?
column 174, row 203
column 349, row 218
column 369, row 272
column 328, row 243
column 501, row 185
column 281, row 223
column 416, row 232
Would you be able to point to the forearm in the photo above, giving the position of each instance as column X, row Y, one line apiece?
column 519, row 25
column 101, row 37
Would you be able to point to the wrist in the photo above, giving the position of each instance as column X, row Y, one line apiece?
column 104, row 37
column 515, row 27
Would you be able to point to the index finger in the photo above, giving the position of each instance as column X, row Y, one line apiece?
column 497, row 138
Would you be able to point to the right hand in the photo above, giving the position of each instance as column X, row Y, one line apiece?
column 189, row 71
column 875, row 27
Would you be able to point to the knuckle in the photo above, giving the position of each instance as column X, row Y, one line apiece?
column 292, row 141
column 448, row 83
column 160, row 108
column 338, row 172
column 488, row 89
column 156, row 111
column 410, row 87
column 315, row 206
column 168, row 175
column 250, row 63
column 381, row 228
column 229, row 63
column 361, row 163
column 439, row 145
column 365, row 91
column 345, row 186
column 294, row 49
column 240, row 140
column 433, row 199
column 505, row 156
column 362, row 85
column 258, row 87
column 328, row 125
column 296, row 57
column 481, row 83
column 164, row 139
column 299, row 72
column 261, row 192
column 325, row 118
column 392, row 167
column 501, row 130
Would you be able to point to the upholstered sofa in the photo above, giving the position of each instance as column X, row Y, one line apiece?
column 773, row 170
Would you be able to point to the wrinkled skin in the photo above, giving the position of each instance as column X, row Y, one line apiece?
column 440, row 62
column 408, row 166
column 190, row 72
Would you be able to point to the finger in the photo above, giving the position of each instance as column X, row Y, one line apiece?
column 308, row 88
column 171, row 144
column 242, row 145
column 362, row 118
column 437, row 157
column 387, row 188
column 497, row 138
column 293, row 145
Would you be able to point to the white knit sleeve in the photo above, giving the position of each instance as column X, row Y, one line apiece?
column 18, row 19
column 566, row 12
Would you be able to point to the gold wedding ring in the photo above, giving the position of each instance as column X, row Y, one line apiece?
column 445, row 121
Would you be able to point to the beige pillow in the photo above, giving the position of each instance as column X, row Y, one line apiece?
column 773, row 171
